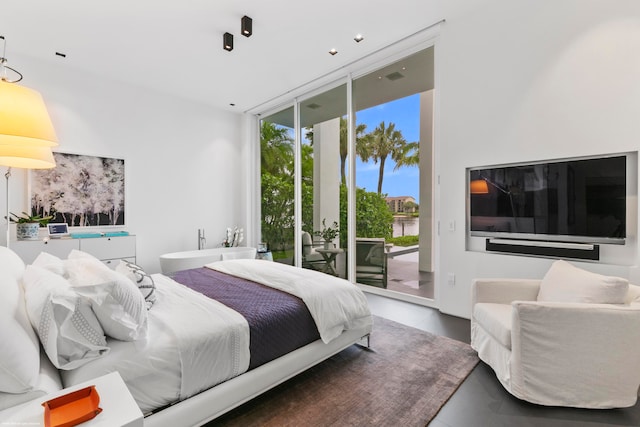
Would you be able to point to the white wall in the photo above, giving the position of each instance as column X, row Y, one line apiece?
column 522, row 81
column 185, row 162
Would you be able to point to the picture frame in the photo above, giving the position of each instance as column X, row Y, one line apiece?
column 81, row 191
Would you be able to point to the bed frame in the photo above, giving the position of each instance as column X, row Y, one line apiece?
column 214, row 402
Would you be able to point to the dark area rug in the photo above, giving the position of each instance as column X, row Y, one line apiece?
column 403, row 379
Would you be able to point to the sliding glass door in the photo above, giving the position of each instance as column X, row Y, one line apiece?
column 323, row 131
column 277, row 151
column 353, row 198
column 394, row 113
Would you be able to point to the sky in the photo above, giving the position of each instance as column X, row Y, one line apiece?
column 405, row 113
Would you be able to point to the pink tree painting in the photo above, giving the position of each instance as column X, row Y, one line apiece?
column 81, row 190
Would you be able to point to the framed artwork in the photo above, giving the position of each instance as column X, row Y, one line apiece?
column 81, row 191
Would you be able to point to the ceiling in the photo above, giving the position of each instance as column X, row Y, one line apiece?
column 176, row 47
column 410, row 75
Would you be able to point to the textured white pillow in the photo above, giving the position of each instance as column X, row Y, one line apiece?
column 117, row 302
column 67, row 326
column 19, row 348
column 142, row 280
column 567, row 283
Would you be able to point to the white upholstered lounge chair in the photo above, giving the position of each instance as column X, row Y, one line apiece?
column 310, row 258
column 570, row 339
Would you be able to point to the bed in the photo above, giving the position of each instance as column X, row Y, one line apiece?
column 197, row 358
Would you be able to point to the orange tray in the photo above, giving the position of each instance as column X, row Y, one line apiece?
column 72, row 409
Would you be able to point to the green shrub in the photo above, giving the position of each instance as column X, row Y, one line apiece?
column 404, row 240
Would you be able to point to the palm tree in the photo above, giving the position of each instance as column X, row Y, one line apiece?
column 276, row 149
column 383, row 142
column 410, row 156
column 360, row 128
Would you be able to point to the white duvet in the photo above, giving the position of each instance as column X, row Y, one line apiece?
column 335, row 304
column 195, row 342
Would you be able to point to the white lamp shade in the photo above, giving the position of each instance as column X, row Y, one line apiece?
column 24, row 120
column 26, row 157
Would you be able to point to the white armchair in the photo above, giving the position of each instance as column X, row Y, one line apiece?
column 574, row 354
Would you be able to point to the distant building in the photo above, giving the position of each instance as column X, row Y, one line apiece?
column 396, row 204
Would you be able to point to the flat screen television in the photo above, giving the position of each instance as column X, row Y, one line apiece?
column 571, row 200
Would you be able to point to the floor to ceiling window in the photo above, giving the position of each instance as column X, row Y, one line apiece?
column 391, row 140
column 277, row 151
column 393, row 108
column 323, row 131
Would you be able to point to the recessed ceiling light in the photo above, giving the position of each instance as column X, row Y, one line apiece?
column 333, row 52
column 358, row 38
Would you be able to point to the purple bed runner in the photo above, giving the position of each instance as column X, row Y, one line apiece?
column 278, row 322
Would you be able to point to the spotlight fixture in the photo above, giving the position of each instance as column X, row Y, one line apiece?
column 333, row 52
column 227, row 41
column 246, row 26
column 358, row 38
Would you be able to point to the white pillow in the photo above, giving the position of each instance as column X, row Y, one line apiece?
column 142, row 280
column 567, row 283
column 50, row 262
column 48, row 382
column 118, row 304
column 67, row 326
column 633, row 295
column 19, row 348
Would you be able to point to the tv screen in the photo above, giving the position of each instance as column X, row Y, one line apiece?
column 581, row 200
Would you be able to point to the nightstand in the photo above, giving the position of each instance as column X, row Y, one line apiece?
column 118, row 407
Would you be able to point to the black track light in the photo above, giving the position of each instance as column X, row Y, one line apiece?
column 246, row 26
column 227, row 41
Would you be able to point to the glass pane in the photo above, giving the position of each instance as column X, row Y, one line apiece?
column 277, row 137
column 392, row 109
column 324, row 196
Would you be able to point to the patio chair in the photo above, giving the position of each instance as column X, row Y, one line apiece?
column 371, row 262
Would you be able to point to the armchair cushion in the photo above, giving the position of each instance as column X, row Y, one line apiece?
column 496, row 320
column 566, row 283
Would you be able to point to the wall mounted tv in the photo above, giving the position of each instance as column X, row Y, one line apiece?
column 571, row 200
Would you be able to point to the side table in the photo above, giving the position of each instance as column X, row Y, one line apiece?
column 329, row 256
column 118, row 407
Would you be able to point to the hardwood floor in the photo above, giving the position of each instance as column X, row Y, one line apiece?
column 481, row 400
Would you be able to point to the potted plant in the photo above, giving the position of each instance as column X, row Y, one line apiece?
column 28, row 226
column 328, row 233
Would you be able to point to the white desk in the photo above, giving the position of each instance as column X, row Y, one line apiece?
column 118, row 407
